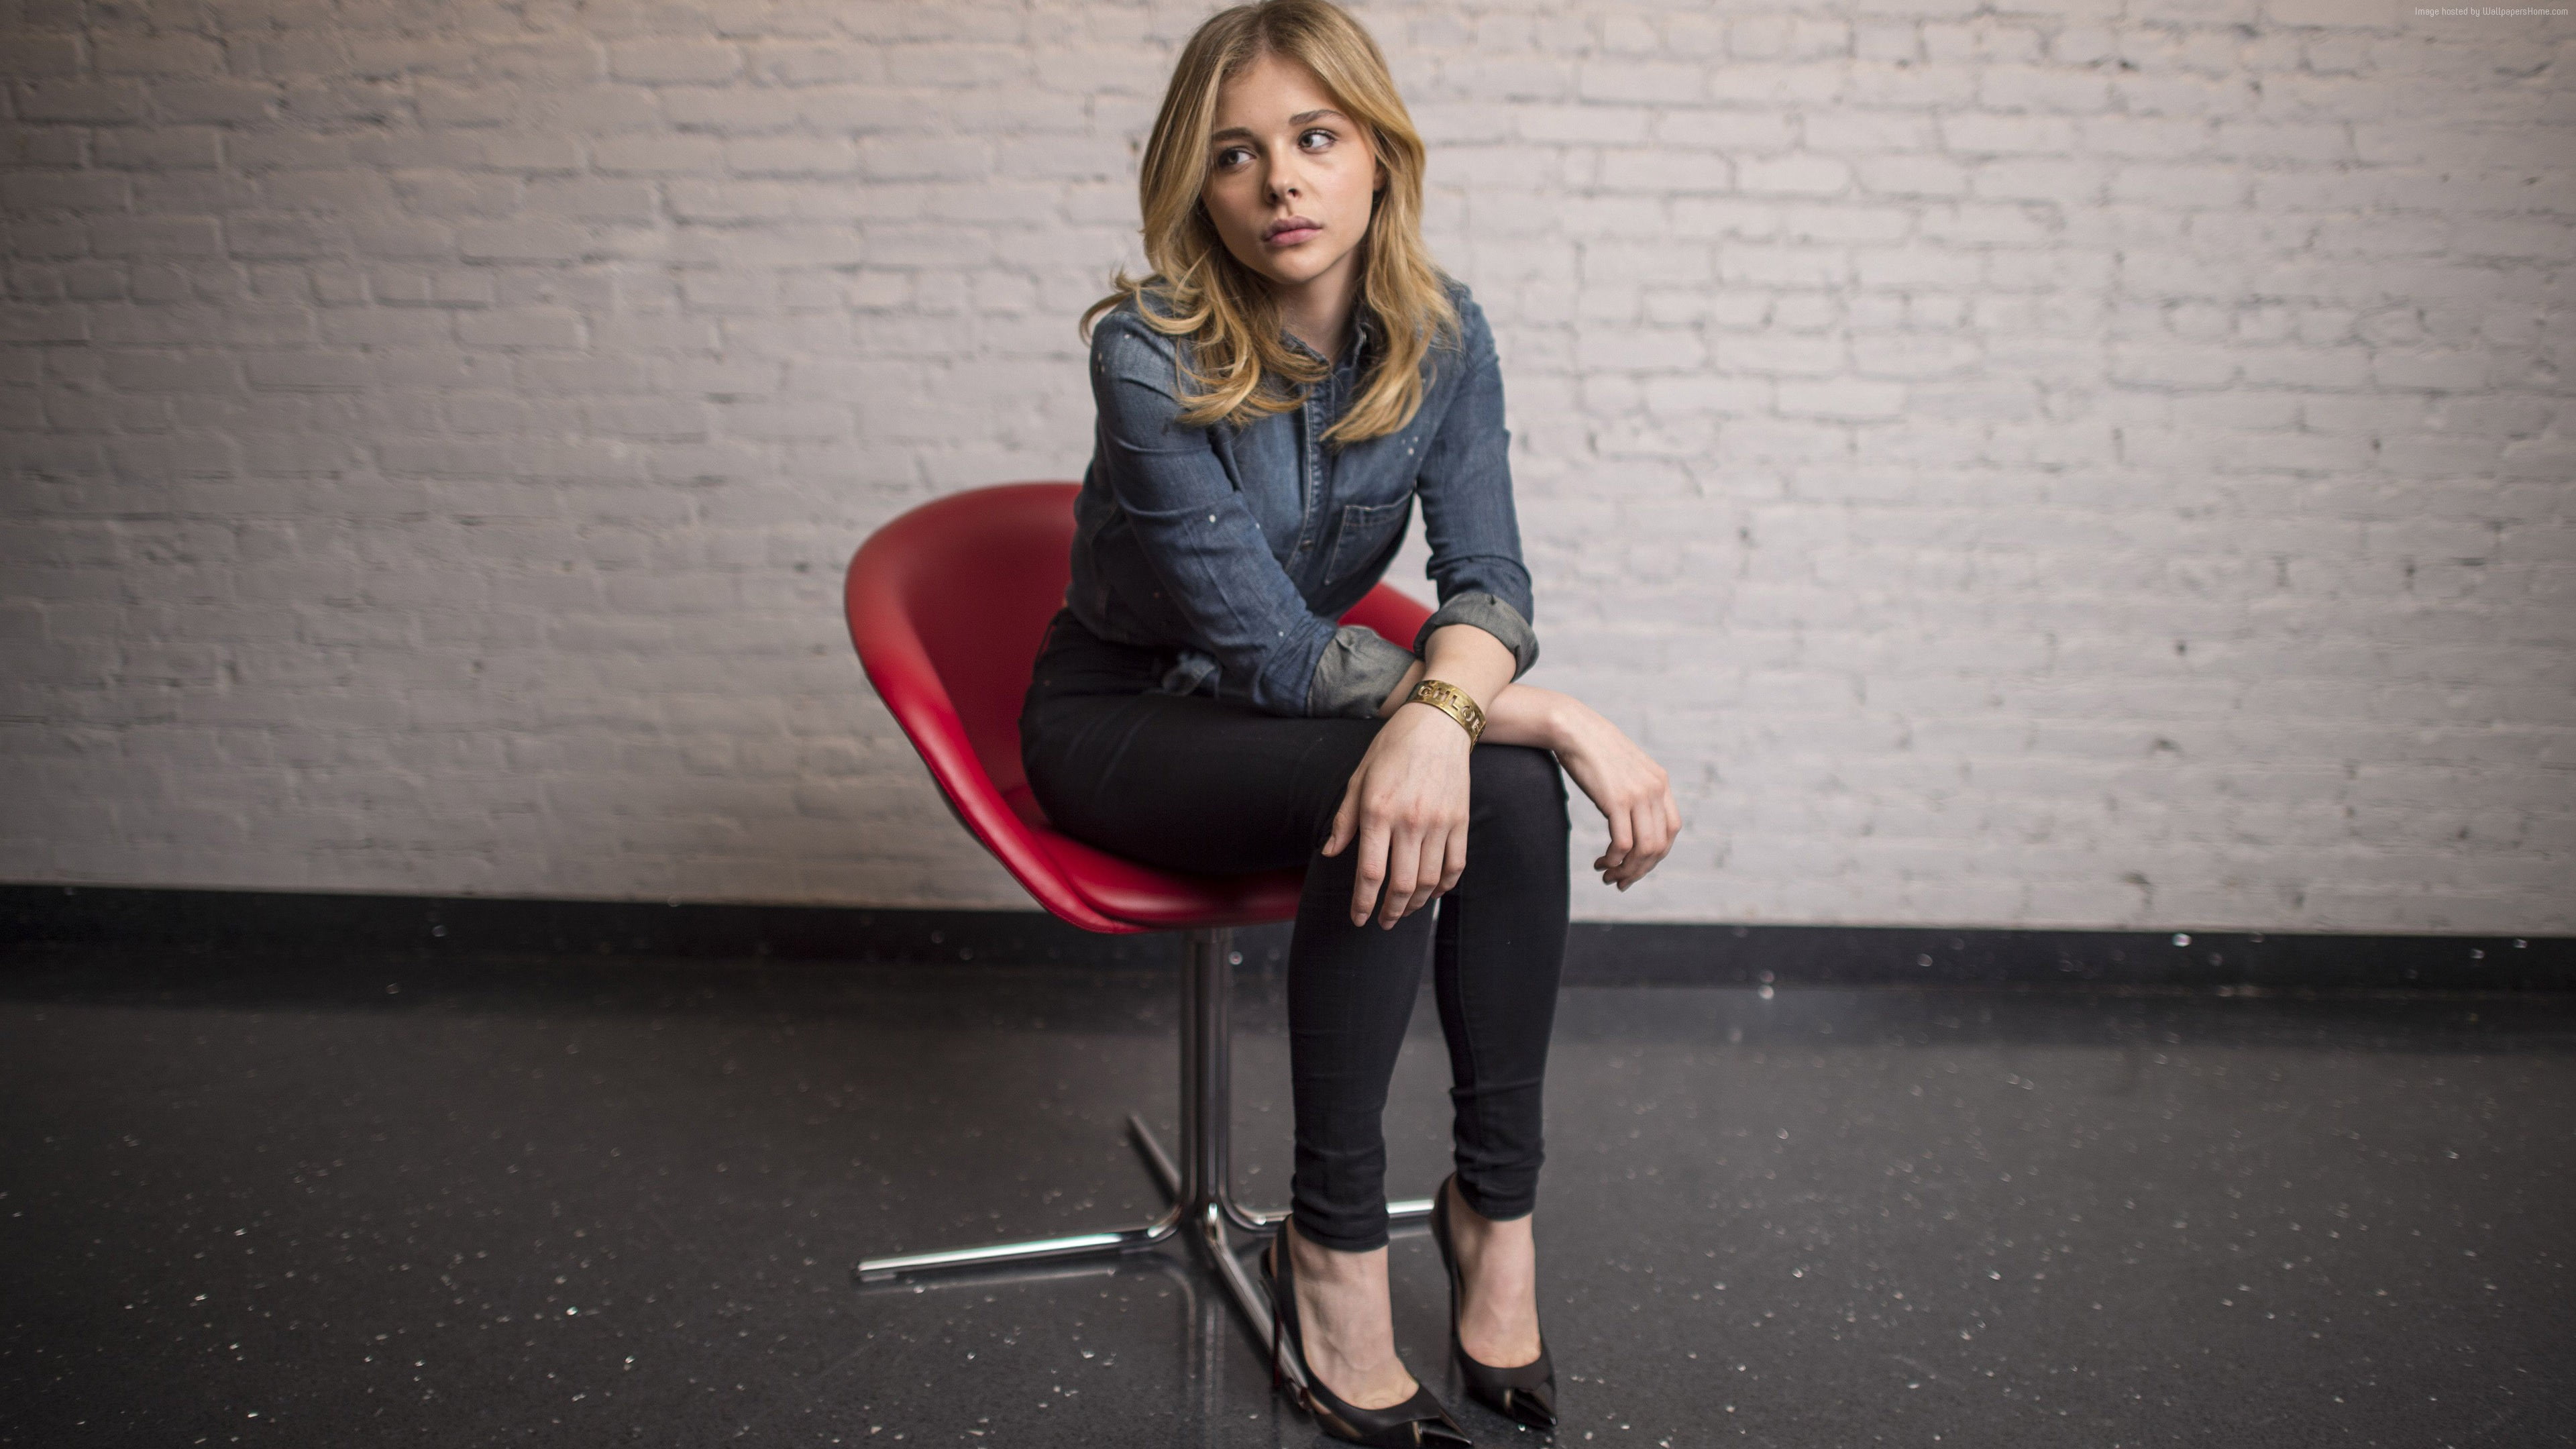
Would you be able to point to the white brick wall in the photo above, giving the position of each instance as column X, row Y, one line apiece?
column 2055, row 462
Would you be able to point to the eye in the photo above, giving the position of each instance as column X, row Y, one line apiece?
column 1225, row 158
column 1328, row 136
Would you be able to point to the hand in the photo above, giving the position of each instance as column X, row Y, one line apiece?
column 1629, row 788
column 1407, row 809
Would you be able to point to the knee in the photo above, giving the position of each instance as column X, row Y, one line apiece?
column 1516, row 788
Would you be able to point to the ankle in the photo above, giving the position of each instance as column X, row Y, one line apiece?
column 1474, row 1233
column 1346, row 1323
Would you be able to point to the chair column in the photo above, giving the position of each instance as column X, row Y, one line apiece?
column 1207, row 1067
column 1203, row 1185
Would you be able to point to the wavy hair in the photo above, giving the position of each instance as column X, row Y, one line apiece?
column 1236, row 363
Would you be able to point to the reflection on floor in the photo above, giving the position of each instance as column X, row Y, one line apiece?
column 573, row 1202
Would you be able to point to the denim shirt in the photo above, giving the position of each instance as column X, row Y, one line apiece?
column 1238, row 547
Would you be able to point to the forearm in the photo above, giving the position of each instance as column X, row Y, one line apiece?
column 1462, row 655
column 1518, row 714
column 1524, row 714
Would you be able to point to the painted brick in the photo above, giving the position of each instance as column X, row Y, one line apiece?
column 1794, row 175
column 1892, row 390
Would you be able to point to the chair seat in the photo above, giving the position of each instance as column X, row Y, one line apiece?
column 948, row 604
column 1159, row 899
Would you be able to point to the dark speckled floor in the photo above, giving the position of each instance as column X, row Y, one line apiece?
column 268, row 1201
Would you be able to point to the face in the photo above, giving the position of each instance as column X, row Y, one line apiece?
column 1291, row 180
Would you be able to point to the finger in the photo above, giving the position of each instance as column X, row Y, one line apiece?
column 1427, row 851
column 1638, row 866
column 1623, row 838
column 1621, row 844
column 1661, row 849
column 1435, row 864
column 1654, row 837
column 1672, row 831
column 1454, row 861
column 1623, row 833
column 1346, row 820
column 1403, row 860
column 1371, row 869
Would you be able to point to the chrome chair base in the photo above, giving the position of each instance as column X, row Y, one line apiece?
column 1200, row 1185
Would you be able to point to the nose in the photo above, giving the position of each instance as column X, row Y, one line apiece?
column 1282, row 181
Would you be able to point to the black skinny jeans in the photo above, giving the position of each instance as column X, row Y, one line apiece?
column 1186, row 782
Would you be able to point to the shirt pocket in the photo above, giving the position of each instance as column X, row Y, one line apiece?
column 1368, row 530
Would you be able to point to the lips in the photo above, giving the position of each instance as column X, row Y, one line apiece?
column 1289, row 230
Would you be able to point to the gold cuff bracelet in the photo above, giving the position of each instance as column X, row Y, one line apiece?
column 1452, row 701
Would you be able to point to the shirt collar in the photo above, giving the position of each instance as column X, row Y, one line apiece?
column 1361, row 332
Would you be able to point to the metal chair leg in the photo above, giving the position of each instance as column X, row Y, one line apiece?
column 1079, row 1245
column 1199, row 1182
column 1165, row 1171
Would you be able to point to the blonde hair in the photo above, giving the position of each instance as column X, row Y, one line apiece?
column 1225, row 310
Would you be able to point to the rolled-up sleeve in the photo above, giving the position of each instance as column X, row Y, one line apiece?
column 1465, row 485
column 1207, row 549
column 1356, row 672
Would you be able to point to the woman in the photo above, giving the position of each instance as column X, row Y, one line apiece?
column 1272, row 399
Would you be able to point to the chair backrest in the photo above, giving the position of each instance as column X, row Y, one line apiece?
column 976, row 576
column 948, row 604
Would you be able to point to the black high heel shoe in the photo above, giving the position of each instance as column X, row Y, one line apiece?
column 1417, row 1421
column 1525, row 1394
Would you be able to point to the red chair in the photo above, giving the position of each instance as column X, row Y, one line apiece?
column 948, row 605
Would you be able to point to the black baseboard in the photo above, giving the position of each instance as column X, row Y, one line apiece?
column 1597, row 953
